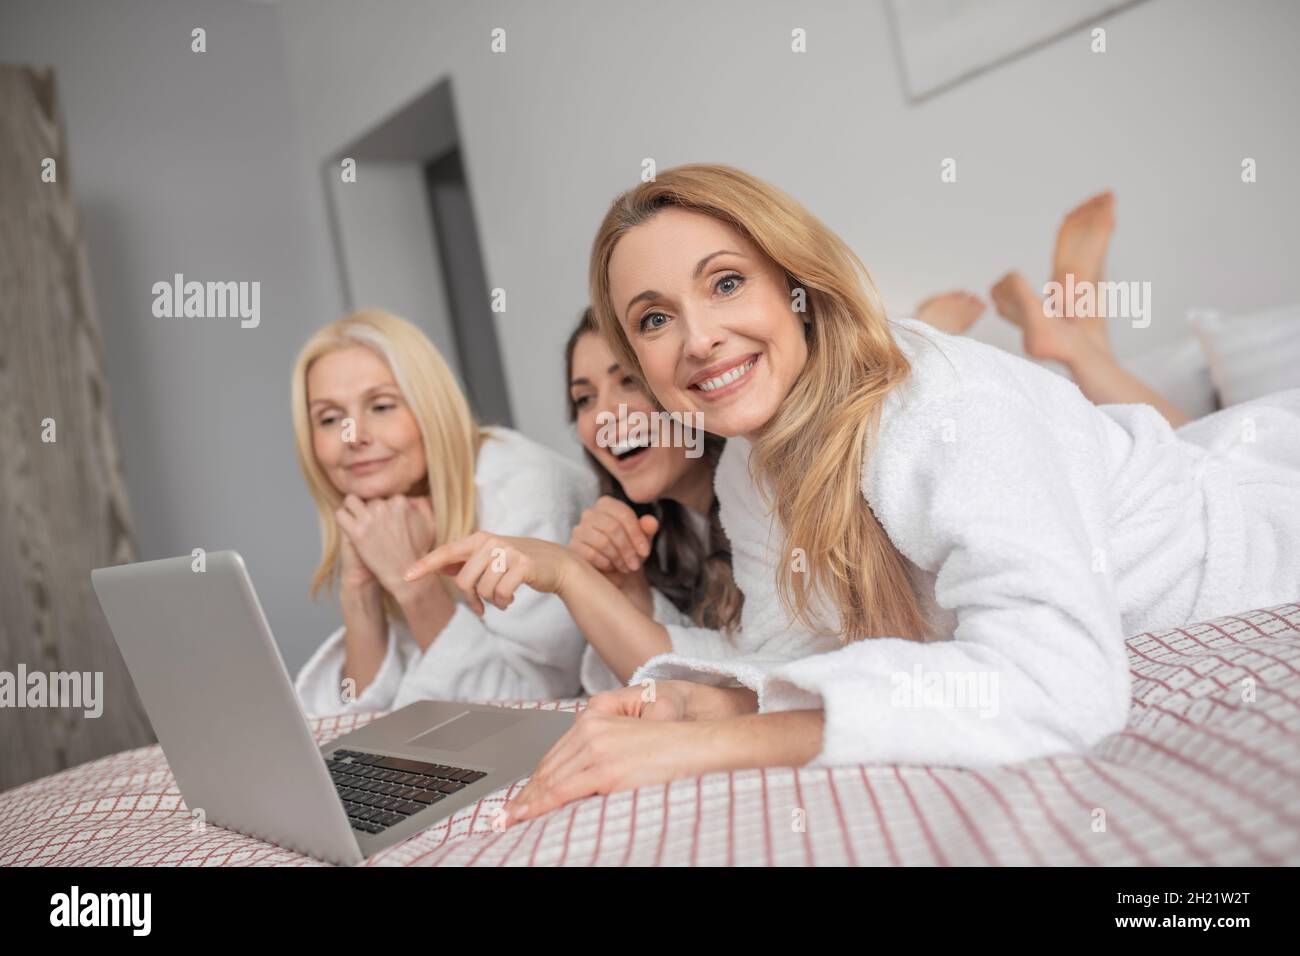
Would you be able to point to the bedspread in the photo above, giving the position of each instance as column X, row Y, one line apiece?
column 1207, row 772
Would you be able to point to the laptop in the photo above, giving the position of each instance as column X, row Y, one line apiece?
column 232, row 728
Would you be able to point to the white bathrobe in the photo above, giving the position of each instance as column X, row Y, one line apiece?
column 1040, row 530
column 533, row 650
column 596, row 675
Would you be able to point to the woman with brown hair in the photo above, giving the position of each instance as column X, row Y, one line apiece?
column 654, row 532
column 637, row 584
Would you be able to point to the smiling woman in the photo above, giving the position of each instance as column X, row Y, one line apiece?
column 907, row 510
column 717, row 324
column 397, row 465
column 655, row 532
column 650, row 551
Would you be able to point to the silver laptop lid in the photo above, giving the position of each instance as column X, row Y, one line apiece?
column 221, row 702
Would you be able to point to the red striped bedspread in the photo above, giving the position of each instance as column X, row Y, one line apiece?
column 1206, row 773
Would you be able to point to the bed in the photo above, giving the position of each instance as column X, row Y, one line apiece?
column 1207, row 772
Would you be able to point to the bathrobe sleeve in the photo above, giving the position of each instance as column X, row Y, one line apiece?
column 533, row 649
column 530, row 651
column 977, row 487
column 320, row 682
column 598, row 678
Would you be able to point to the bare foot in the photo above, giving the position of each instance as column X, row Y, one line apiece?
column 1081, row 245
column 1046, row 336
column 951, row 312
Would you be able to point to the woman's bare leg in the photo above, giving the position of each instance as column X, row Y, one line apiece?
column 951, row 312
column 1092, row 364
column 1080, row 257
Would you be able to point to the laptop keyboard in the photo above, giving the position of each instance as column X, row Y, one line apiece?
column 379, row 791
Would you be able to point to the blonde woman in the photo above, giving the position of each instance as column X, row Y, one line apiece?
column 396, row 465
column 958, row 538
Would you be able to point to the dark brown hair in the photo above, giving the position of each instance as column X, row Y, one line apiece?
column 694, row 575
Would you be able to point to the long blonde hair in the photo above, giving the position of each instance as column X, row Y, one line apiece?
column 449, row 432
column 810, row 453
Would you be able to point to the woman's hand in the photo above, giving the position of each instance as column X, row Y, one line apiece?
column 489, row 567
column 354, row 576
column 387, row 534
column 612, row 539
column 365, row 636
column 674, row 700
column 602, row 753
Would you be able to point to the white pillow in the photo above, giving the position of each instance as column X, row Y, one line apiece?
column 1179, row 372
column 1250, row 355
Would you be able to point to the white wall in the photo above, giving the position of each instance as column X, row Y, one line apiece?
column 390, row 251
column 209, row 164
column 556, row 126
column 185, row 162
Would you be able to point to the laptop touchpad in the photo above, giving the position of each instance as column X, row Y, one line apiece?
column 465, row 730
